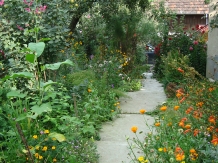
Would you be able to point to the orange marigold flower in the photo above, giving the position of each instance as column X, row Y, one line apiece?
column 181, row 124
column 134, row 129
column 163, row 108
column 180, row 157
column 215, row 141
column 142, row 111
column 178, row 95
column 176, row 107
column 192, row 150
column 212, row 119
column 196, row 131
column 180, row 70
column 188, row 126
column 157, row 124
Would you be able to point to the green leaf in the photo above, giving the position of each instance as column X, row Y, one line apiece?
column 56, row 66
column 37, row 47
column 30, row 58
column 19, row 74
column 59, row 137
column 20, row 118
column 44, row 85
column 44, row 39
column 15, row 94
column 40, row 109
column 88, row 129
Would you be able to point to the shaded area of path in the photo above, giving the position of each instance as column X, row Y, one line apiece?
column 113, row 146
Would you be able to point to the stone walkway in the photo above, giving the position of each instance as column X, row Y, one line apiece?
column 113, row 147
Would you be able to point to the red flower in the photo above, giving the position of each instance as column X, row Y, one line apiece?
column 191, row 48
column 195, row 42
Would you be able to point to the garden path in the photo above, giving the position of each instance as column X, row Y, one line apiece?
column 113, row 146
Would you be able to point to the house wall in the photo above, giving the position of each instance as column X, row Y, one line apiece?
column 191, row 21
column 212, row 51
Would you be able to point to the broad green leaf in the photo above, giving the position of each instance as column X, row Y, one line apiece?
column 88, row 129
column 30, row 58
column 40, row 109
column 44, row 85
column 17, row 75
column 59, row 137
column 37, row 47
column 20, row 118
column 56, row 66
column 15, row 94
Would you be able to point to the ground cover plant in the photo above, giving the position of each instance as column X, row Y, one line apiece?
column 185, row 128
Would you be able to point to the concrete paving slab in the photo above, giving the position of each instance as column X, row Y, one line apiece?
column 150, row 96
column 113, row 146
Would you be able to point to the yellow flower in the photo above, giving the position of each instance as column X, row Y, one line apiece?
column 53, row 147
column 141, row 158
column 40, row 157
column 134, row 129
column 183, row 162
column 142, row 111
column 54, row 160
column 176, row 108
column 180, row 157
column 35, row 136
column 45, row 148
column 36, row 155
column 46, row 131
column 37, row 147
column 160, row 149
column 163, row 108
column 89, row 90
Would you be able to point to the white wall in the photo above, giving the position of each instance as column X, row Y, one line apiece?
column 212, row 51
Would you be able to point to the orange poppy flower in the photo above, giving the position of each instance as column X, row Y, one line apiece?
column 176, row 107
column 157, row 124
column 142, row 111
column 163, row 108
column 134, row 129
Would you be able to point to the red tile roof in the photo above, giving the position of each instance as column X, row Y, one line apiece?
column 187, row 6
